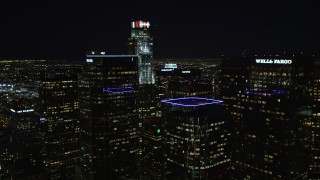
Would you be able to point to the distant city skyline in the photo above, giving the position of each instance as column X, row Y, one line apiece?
column 53, row 30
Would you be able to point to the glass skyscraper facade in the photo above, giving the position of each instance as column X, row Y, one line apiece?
column 59, row 109
column 268, row 100
column 141, row 43
column 108, row 116
column 315, row 123
column 196, row 138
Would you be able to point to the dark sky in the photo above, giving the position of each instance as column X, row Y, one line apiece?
column 193, row 28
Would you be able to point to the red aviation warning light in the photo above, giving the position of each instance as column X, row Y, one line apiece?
column 140, row 24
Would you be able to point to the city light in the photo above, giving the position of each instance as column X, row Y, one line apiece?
column 273, row 61
column 119, row 90
column 191, row 101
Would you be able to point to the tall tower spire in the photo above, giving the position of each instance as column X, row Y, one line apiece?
column 140, row 43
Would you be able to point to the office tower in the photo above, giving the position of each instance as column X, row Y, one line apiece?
column 199, row 88
column 147, row 101
column 266, row 96
column 315, row 124
column 24, row 169
column 196, row 135
column 108, row 116
column 174, row 82
column 59, row 111
column 140, row 43
column 6, row 150
column 26, row 141
column 152, row 161
column 25, row 129
column 5, row 156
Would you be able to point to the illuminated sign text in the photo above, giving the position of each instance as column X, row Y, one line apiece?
column 140, row 24
column 273, row 61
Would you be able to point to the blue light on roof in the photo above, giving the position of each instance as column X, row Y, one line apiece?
column 265, row 92
column 125, row 89
column 191, row 101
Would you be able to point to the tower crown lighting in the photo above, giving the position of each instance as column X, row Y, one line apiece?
column 140, row 24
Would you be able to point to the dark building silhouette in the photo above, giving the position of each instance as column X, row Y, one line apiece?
column 315, row 123
column 58, row 110
column 5, row 149
column 25, row 129
column 152, row 159
column 190, row 88
column 108, row 117
column 196, row 136
column 266, row 96
column 25, row 169
column 172, row 74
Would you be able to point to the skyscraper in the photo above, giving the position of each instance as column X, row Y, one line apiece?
column 152, row 159
column 108, row 116
column 59, row 106
column 25, row 129
column 196, row 136
column 173, row 83
column 266, row 98
column 315, row 123
column 140, row 43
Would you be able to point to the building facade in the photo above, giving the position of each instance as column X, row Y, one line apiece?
column 25, row 130
column 196, row 137
column 141, row 43
column 109, row 120
column 315, row 124
column 152, row 159
column 270, row 139
column 58, row 110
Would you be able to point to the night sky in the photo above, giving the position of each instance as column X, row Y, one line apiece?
column 197, row 28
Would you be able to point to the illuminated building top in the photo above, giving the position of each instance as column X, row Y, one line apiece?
column 22, row 111
column 140, row 43
column 140, row 24
column 191, row 101
column 273, row 61
column 172, row 66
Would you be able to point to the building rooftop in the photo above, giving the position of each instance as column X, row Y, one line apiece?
column 191, row 101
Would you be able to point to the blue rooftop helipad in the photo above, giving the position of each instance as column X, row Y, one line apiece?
column 191, row 101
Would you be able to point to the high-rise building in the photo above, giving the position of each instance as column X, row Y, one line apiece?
column 25, row 129
column 59, row 106
column 108, row 116
column 152, row 159
column 24, row 169
column 190, row 88
column 315, row 123
column 140, row 43
column 196, row 136
column 147, row 101
column 268, row 100
column 5, row 149
column 174, row 82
